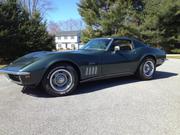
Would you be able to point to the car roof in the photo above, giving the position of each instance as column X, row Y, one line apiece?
column 125, row 38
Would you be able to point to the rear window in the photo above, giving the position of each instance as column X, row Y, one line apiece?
column 138, row 44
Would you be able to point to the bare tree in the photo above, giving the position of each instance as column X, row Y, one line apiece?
column 71, row 25
column 67, row 25
column 53, row 28
column 36, row 5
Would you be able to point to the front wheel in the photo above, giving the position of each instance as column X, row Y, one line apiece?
column 146, row 69
column 60, row 80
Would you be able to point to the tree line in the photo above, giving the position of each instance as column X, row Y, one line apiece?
column 22, row 29
column 156, row 22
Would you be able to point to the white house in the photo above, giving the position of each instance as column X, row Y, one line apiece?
column 67, row 40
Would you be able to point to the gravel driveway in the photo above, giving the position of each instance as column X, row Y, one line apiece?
column 121, row 106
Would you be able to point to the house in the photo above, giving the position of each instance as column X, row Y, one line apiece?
column 67, row 40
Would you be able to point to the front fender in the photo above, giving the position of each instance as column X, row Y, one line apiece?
column 39, row 68
column 147, row 55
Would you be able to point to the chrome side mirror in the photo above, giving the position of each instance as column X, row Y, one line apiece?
column 116, row 49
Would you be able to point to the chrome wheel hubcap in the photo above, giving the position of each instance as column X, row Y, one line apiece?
column 61, row 80
column 148, row 68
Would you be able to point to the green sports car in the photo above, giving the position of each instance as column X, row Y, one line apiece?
column 60, row 72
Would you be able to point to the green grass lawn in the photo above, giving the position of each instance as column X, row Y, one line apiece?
column 174, row 57
column 2, row 66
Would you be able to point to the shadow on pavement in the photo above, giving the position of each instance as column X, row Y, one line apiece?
column 97, row 85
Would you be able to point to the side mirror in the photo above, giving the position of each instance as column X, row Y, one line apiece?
column 116, row 49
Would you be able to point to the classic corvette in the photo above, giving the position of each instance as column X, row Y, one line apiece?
column 59, row 73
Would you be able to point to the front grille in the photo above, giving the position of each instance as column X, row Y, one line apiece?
column 14, row 77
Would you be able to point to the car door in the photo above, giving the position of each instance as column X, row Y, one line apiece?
column 120, row 58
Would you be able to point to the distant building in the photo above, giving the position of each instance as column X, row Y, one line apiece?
column 67, row 40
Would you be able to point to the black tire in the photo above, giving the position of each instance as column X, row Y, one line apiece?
column 50, row 86
column 140, row 72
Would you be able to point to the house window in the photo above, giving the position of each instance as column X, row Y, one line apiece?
column 59, row 45
column 65, row 37
column 73, row 46
column 59, row 38
column 72, row 37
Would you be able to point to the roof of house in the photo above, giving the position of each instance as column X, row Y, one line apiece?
column 68, row 33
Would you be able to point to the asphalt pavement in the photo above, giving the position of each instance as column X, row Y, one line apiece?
column 120, row 106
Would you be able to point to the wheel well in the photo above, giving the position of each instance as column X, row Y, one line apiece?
column 150, row 56
column 64, row 63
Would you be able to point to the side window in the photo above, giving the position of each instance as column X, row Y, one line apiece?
column 123, row 45
column 126, row 47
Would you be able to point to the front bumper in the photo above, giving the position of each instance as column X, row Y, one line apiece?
column 160, row 61
column 17, row 77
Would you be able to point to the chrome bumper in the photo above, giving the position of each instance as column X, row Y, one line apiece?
column 160, row 61
column 14, row 76
column 14, row 72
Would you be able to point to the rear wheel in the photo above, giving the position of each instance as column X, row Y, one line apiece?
column 60, row 80
column 146, row 69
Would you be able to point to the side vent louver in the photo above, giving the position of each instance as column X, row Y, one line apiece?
column 91, row 70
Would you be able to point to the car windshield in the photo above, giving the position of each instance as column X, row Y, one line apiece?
column 97, row 44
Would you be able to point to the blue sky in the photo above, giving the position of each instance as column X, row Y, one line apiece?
column 63, row 10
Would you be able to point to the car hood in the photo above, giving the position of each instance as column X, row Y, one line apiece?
column 30, row 58
column 26, row 60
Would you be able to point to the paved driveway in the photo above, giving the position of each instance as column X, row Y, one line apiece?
column 123, row 106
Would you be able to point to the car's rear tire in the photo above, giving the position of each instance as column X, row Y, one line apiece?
column 146, row 69
column 60, row 80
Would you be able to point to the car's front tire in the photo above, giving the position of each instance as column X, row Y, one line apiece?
column 60, row 80
column 146, row 69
